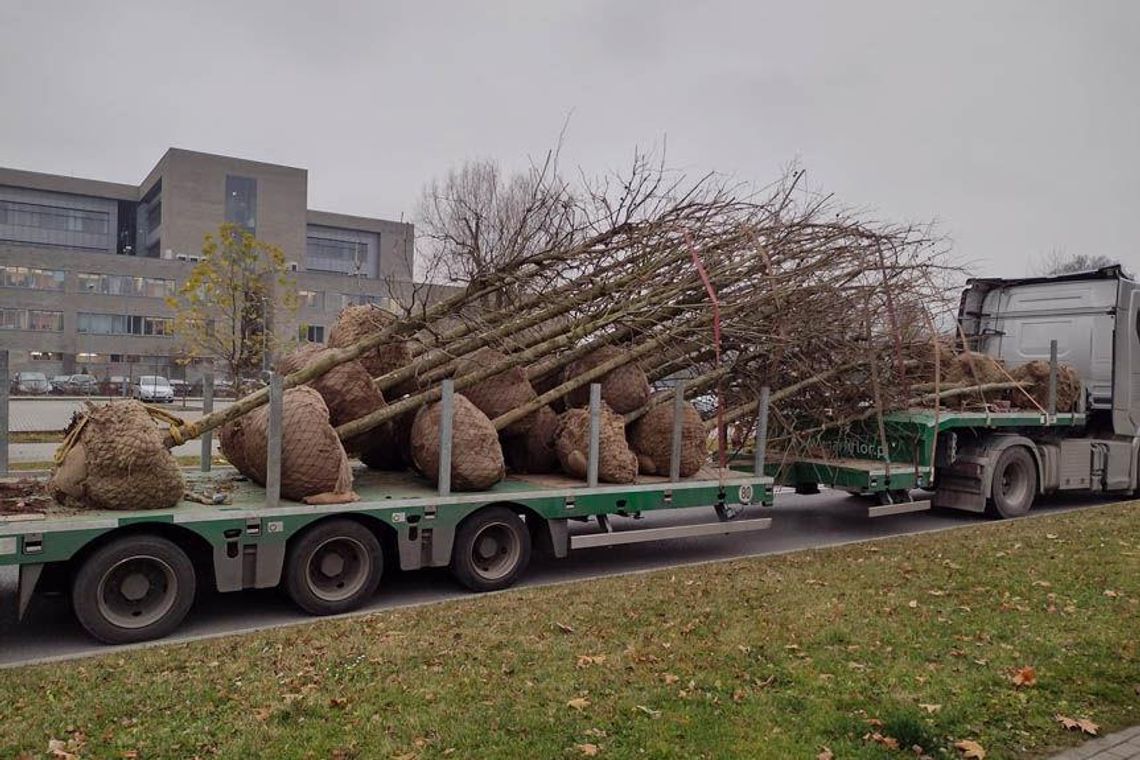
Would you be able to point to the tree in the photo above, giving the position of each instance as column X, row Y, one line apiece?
column 1058, row 262
column 225, row 308
column 476, row 220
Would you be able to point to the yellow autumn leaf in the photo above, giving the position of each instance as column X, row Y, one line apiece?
column 970, row 750
column 588, row 749
column 578, row 703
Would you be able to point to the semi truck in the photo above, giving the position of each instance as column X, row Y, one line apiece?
column 133, row 576
column 1002, row 461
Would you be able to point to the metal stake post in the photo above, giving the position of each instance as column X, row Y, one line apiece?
column 207, row 407
column 595, row 433
column 273, row 459
column 446, row 418
column 3, row 411
column 761, row 432
column 1052, row 405
column 678, row 413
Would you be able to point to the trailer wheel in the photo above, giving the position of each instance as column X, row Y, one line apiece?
column 333, row 567
column 492, row 548
column 1014, row 483
column 135, row 588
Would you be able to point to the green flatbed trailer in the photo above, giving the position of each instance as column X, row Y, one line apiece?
column 132, row 575
column 914, row 438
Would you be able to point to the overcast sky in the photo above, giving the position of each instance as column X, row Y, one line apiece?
column 1015, row 124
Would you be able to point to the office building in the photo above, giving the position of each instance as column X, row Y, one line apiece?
column 86, row 265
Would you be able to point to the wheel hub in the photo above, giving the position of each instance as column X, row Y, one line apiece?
column 134, row 587
column 137, row 591
column 332, row 565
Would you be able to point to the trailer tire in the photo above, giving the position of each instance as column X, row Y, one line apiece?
column 492, row 548
column 1014, row 483
column 333, row 567
column 135, row 588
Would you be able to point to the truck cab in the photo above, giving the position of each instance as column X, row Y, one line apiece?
column 1094, row 317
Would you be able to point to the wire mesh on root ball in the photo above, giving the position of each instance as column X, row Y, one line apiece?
column 616, row 463
column 476, row 457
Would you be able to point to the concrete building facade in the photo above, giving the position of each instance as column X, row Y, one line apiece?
column 86, row 266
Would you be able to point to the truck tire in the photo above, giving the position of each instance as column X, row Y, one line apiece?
column 333, row 567
column 1014, row 484
column 491, row 550
column 135, row 588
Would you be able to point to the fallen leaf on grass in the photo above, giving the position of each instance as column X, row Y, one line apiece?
column 1024, row 676
column 655, row 714
column 930, row 708
column 971, row 750
column 912, row 603
column 1110, row 593
column 670, row 679
column 587, row 749
column 578, row 703
column 563, row 627
column 57, row 748
column 1082, row 724
column 889, row 742
column 585, row 660
column 825, row 754
column 262, row 713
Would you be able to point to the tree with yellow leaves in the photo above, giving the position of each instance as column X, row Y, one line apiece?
column 225, row 308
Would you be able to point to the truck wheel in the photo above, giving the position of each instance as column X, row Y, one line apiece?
column 492, row 548
column 135, row 588
column 333, row 567
column 1014, row 484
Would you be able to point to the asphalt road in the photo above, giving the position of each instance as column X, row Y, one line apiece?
column 799, row 522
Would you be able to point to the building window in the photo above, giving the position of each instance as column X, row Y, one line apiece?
column 54, row 225
column 45, row 321
column 31, row 319
column 313, row 299
column 124, row 324
column 340, row 256
column 30, row 277
column 122, row 285
column 45, row 356
column 312, row 334
column 241, row 202
column 359, row 299
column 13, row 319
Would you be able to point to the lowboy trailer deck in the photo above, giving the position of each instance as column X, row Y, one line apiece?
column 132, row 576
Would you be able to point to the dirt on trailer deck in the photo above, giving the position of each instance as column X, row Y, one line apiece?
column 26, row 496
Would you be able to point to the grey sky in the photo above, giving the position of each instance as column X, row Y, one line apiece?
column 1016, row 124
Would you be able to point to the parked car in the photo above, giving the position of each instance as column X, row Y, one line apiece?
column 153, row 388
column 116, row 385
column 223, row 388
column 59, row 384
column 181, row 387
column 30, row 384
column 81, row 385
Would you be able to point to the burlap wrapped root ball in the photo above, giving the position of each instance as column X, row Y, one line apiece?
column 624, row 389
column 347, row 390
column 974, row 368
column 312, row 459
column 476, row 457
column 356, row 322
column 498, row 394
column 651, row 439
column 616, row 463
column 118, row 462
column 1036, row 374
column 534, row 451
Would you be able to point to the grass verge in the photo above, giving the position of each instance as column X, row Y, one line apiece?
column 913, row 640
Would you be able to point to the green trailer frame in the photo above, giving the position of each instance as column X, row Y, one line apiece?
column 859, row 465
